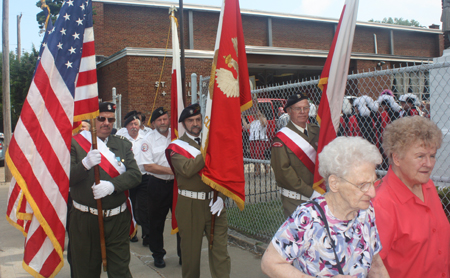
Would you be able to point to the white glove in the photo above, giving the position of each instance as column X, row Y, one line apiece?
column 104, row 188
column 92, row 158
column 217, row 207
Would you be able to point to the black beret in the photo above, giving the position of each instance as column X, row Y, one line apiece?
column 294, row 99
column 107, row 107
column 130, row 119
column 157, row 113
column 191, row 110
column 129, row 114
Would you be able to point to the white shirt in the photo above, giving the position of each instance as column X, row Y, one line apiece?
column 257, row 131
column 124, row 131
column 138, row 148
column 156, row 153
column 302, row 130
column 193, row 137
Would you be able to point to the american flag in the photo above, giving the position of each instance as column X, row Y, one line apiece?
column 63, row 90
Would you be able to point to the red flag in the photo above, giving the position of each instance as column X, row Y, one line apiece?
column 39, row 152
column 177, row 106
column 333, row 82
column 229, row 95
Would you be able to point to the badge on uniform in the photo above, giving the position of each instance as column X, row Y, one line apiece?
column 277, row 144
column 118, row 160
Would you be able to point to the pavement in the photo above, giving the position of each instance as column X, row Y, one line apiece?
column 245, row 252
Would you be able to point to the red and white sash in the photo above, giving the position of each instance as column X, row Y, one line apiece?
column 180, row 147
column 297, row 144
column 109, row 164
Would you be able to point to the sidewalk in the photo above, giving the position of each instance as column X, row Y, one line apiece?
column 243, row 263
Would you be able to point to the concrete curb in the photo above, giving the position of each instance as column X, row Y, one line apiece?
column 248, row 243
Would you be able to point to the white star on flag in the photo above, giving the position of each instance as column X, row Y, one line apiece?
column 63, row 31
column 60, row 45
column 68, row 64
column 70, row 3
column 79, row 21
column 76, row 36
column 72, row 50
column 66, row 16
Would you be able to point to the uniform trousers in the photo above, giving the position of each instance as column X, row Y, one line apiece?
column 160, row 194
column 85, row 244
column 139, row 198
column 194, row 219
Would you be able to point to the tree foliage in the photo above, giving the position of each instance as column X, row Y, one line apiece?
column 398, row 21
column 54, row 5
column 21, row 74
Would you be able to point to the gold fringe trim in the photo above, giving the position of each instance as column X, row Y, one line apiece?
column 239, row 202
column 316, row 186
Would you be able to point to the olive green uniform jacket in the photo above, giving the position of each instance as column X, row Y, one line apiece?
column 83, row 228
column 194, row 219
column 290, row 172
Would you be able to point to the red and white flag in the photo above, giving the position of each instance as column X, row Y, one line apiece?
column 333, row 82
column 177, row 105
column 39, row 152
column 228, row 96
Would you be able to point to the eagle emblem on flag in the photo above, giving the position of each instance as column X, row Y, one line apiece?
column 226, row 81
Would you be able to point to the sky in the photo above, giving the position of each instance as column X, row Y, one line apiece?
column 426, row 12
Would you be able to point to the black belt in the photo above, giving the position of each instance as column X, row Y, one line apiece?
column 161, row 180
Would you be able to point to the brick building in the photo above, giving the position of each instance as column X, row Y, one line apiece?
column 131, row 38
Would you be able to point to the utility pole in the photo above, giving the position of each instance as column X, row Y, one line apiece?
column 19, row 46
column 6, row 86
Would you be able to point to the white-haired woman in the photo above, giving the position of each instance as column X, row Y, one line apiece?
column 345, row 242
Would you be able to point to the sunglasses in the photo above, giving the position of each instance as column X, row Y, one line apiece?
column 102, row 119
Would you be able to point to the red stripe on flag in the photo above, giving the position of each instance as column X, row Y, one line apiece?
column 46, row 208
column 53, row 106
column 88, row 49
column 14, row 195
column 50, row 264
column 87, row 78
column 33, row 245
column 85, row 106
column 44, row 149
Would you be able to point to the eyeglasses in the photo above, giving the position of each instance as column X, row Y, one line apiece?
column 301, row 109
column 364, row 187
column 102, row 119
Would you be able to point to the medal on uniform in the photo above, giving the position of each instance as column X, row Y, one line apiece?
column 118, row 160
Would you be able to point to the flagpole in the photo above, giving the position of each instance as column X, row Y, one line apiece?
column 99, row 201
column 183, row 75
column 213, row 222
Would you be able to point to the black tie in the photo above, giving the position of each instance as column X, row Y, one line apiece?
column 198, row 140
column 306, row 133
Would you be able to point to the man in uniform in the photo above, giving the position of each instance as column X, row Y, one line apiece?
column 118, row 173
column 138, row 195
column 195, row 205
column 160, row 186
column 293, row 155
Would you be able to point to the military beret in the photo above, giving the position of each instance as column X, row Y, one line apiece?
column 157, row 113
column 107, row 107
column 191, row 110
column 129, row 114
column 294, row 99
column 130, row 119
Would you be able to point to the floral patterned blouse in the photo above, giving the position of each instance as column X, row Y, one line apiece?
column 303, row 241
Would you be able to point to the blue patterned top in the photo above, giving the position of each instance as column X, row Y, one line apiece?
column 303, row 241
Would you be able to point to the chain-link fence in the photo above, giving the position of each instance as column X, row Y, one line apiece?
column 371, row 102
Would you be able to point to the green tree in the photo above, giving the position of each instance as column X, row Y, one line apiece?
column 398, row 21
column 21, row 75
column 54, row 5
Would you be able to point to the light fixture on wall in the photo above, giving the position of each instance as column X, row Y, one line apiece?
column 381, row 63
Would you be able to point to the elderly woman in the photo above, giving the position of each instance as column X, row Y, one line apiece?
column 414, row 232
column 302, row 246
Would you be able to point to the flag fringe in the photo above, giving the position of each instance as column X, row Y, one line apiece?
column 174, row 231
column 246, row 106
column 323, row 81
column 17, row 226
column 316, row 186
column 87, row 116
column 214, row 185
column 37, row 213
column 36, row 274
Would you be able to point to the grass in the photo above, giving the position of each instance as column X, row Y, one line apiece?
column 260, row 220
